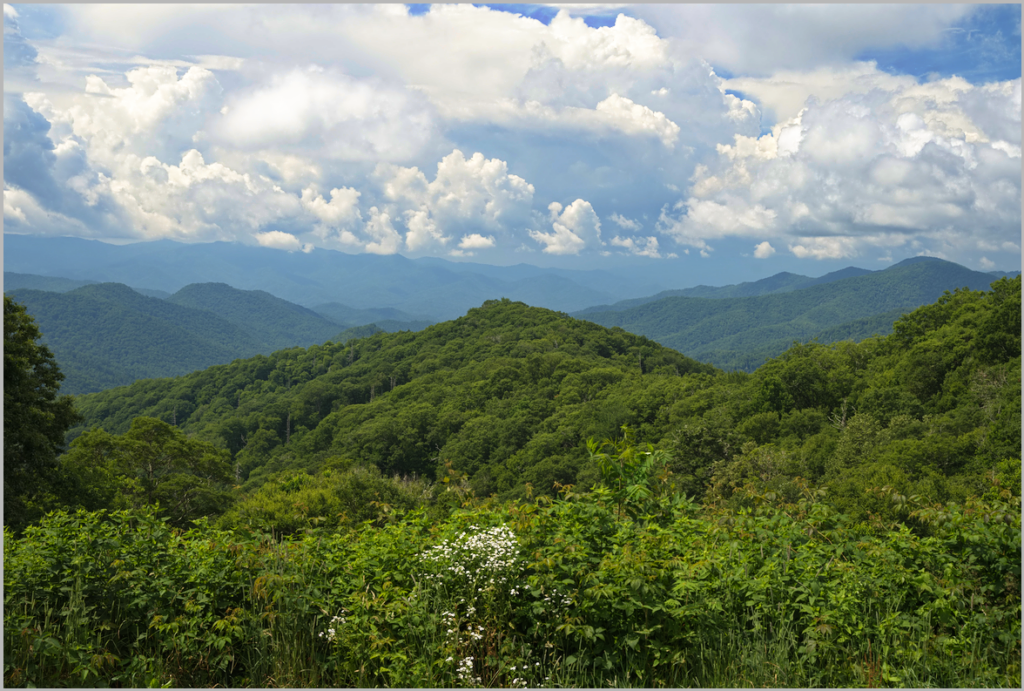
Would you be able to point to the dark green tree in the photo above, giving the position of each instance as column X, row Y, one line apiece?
column 153, row 462
column 35, row 416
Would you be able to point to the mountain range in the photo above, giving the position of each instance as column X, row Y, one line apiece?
column 107, row 334
column 734, row 332
column 431, row 288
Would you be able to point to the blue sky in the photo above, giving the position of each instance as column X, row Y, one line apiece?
column 717, row 142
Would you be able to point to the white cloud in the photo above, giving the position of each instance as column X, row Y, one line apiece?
column 337, row 116
column 628, row 43
column 625, row 223
column 475, row 241
column 226, row 63
column 423, row 232
column 575, row 228
column 785, row 92
column 764, row 39
column 158, row 113
column 343, row 208
column 195, row 200
column 23, row 213
column 825, row 248
column 465, row 193
column 764, row 250
column 900, row 165
column 706, row 219
column 222, row 129
column 640, row 246
column 384, row 239
column 634, row 118
column 278, row 240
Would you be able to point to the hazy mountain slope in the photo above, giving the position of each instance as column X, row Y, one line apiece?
column 628, row 286
column 54, row 284
column 720, row 330
column 434, row 289
column 107, row 335
column 274, row 323
column 153, row 293
column 779, row 283
column 345, row 315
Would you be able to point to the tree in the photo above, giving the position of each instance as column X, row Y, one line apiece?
column 35, row 416
column 153, row 462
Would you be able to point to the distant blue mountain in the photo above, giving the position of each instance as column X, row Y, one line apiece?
column 741, row 332
column 432, row 288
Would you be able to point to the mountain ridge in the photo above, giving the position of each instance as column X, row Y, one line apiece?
column 706, row 328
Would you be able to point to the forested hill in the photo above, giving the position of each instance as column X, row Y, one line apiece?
column 783, row 282
column 742, row 332
column 274, row 323
column 107, row 335
column 509, row 393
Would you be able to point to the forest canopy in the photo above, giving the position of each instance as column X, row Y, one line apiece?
column 509, row 394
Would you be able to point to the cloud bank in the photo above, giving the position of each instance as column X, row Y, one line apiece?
column 467, row 131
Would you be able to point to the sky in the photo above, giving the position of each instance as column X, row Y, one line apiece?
column 718, row 142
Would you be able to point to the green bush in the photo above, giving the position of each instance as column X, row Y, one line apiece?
column 612, row 587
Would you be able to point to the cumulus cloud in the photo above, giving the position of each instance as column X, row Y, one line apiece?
column 764, row 250
column 475, row 241
column 56, row 177
column 705, row 219
column 625, row 223
column 896, row 167
column 158, row 113
column 575, row 228
column 635, row 118
column 785, row 92
column 281, row 241
column 23, row 213
column 338, row 116
column 341, row 210
column 802, row 151
column 640, row 246
column 800, row 37
column 384, row 239
column 614, row 115
column 474, row 192
column 196, row 200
